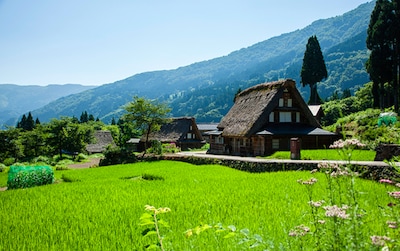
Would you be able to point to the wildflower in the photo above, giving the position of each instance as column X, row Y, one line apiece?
column 387, row 181
column 348, row 143
column 395, row 194
column 379, row 240
column 391, row 224
column 299, row 231
column 314, row 171
column 310, row 181
column 335, row 211
column 321, row 221
column 397, row 185
column 316, row 203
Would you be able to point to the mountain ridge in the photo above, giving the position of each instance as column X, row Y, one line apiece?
column 271, row 59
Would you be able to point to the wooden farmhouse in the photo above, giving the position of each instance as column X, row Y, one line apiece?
column 183, row 132
column 263, row 120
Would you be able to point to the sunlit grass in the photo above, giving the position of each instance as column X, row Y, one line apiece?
column 101, row 207
column 326, row 154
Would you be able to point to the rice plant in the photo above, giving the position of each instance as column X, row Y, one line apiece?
column 101, row 209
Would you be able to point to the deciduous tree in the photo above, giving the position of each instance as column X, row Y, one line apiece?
column 147, row 115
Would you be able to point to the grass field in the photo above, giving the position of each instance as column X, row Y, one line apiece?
column 327, row 154
column 99, row 209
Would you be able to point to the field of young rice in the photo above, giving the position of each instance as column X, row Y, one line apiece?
column 100, row 208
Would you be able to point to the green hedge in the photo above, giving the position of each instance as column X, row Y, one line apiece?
column 29, row 176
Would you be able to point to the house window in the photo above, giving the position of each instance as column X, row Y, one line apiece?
column 285, row 117
column 281, row 102
column 297, row 117
column 271, row 117
column 275, row 144
column 189, row 136
column 289, row 102
column 219, row 140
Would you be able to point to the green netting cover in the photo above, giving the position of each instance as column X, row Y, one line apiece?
column 29, row 176
column 387, row 118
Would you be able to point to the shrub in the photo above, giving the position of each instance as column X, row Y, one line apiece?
column 29, row 176
column 170, row 148
column 117, row 155
column 80, row 157
column 2, row 167
column 155, row 148
column 9, row 161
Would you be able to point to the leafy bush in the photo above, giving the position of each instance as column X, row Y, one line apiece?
column 80, row 157
column 2, row 167
column 117, row 155
column 170, row 148
column 9, row 161
column 29, row 176
column 155, row 148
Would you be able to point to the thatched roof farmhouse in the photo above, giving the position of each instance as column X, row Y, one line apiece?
column 264, row 118
column 102, row 140
column 181, row 131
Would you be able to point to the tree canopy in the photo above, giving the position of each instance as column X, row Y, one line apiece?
column 146, row 115
column 383, row 36
column 313, row 69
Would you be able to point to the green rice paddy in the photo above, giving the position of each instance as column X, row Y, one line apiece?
column 99, row 208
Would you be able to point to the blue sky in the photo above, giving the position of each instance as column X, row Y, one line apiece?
column 94, row 42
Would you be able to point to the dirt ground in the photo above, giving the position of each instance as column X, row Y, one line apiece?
column 92, row 162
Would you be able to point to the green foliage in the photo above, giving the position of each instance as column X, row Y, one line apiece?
column 326, row 154
column 29, row 176
column 313, row 69
column 170, row 148
column 117, row 155
column 147, row 115
column 156, row 147
column 2, row 167
column 194, row 194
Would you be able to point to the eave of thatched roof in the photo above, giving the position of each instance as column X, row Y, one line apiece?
column 252, row 107
column 291, row 129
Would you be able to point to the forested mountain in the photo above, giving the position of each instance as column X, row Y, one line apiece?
column 16, row 99
column 206, row 89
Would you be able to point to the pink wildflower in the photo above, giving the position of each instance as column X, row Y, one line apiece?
column 391, row 224
column 299, row 231
column 310, row 181
column 335, row 211
column 379, row 240
column 316, row 203
column 348, row 143
column 387, row 181
column 395, row 194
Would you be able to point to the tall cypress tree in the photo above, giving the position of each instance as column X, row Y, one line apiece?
column 384, row 61
column 313, row 69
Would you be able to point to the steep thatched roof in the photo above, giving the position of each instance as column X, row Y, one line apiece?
column 252, row 107
column 176, row 130
column 102, row 140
